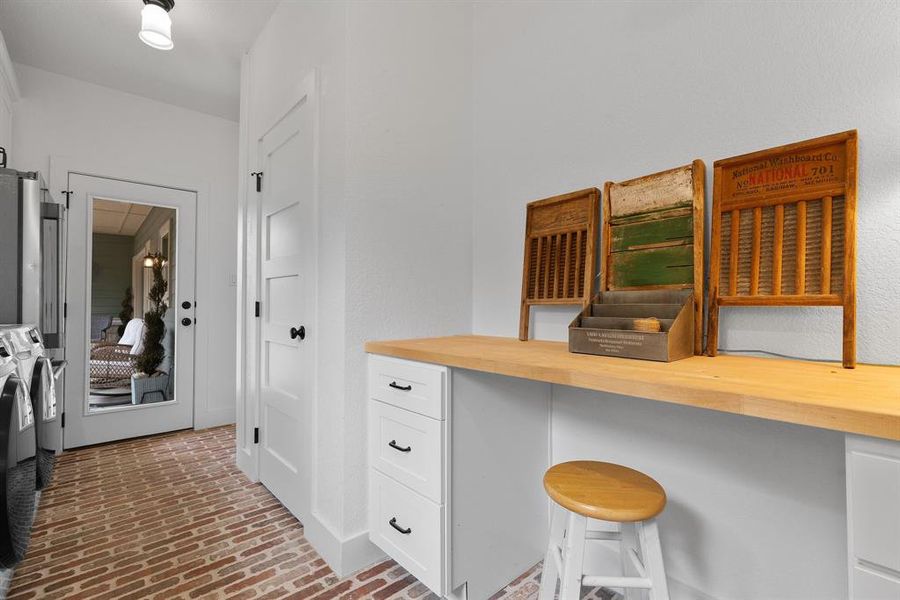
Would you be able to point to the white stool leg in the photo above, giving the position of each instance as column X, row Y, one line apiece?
column 550, row 573
column 573, row 558
column 629, row 543
column 651, row 552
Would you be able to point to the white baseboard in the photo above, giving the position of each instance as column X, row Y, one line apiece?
column 344, row 556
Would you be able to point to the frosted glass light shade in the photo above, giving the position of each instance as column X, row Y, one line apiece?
column 156, row 27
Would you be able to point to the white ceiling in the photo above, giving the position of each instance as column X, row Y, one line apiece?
column 96, row 41
column 118, row 218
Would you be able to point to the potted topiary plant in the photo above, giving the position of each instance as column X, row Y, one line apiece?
column 149, row 384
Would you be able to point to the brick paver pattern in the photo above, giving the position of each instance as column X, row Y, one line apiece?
column 171, row 517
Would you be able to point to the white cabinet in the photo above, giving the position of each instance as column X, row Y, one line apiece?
column 407, row 504
column 456, row 460
column 873, row 518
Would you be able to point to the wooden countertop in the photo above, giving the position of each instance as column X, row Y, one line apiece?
column 865, row 400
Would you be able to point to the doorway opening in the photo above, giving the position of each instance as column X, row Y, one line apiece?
column 131, row 350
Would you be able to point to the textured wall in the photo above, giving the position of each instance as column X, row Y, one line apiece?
column 409, row 192
column 569, row 95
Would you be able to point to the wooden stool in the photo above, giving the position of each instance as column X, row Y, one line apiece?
column 597, row 490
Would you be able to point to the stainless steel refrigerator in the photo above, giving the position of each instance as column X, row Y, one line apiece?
column 31, row 255
column 32, row 270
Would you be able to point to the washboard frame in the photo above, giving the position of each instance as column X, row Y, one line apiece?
column 658, row 205
column 797, row 169
column 560, row 251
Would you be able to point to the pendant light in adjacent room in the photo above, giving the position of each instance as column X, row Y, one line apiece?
column 156, row 25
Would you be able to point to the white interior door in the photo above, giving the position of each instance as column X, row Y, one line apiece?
column 84, row 423
column 287, row 217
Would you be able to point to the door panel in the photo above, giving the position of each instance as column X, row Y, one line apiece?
column 287, row 294
column 84, row 425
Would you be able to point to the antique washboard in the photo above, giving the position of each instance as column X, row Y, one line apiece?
column 653, row 235
column 560, row 243
column 784, row 231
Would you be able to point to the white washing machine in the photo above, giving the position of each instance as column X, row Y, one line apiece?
column 37, row 372
column 26, row 354
column 17, row 469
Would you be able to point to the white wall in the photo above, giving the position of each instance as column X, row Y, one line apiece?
column 61, row 116
column 409, row 241
column 394, row 210
column 9, row 94
column 569, row 95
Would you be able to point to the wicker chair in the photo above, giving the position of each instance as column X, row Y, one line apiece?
column 112, row 364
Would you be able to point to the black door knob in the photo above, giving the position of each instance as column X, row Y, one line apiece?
column 185, row 305
column 298, row 333
column 186, row 321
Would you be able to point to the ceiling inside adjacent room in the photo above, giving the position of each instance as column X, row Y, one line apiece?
column 97, row 41
column 118, row 218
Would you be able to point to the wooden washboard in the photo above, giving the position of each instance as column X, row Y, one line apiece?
column 784, row 231
column 559, row 259
column 653, row 235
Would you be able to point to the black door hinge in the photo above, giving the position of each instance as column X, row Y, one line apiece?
column 256, row 435
column 257, row 309
column 258, row 175
column 62, row 420
column 67, row 194
column 65, row 310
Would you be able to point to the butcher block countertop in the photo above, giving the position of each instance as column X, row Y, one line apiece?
column 865, row 400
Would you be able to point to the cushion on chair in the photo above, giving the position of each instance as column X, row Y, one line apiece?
column 134, row 336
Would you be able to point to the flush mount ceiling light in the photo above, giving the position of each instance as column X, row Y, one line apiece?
column 156, row 25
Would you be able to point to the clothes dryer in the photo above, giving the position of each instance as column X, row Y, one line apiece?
column 17, row 470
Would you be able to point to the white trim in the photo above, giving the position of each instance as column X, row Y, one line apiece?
column 246, row 455
column 8, row 72
column 61, row 166
column 343, row 555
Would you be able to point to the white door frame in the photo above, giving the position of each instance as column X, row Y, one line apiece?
column 146, row 173
column 86, row 427
column 248, row 413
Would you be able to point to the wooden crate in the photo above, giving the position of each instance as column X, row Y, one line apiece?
column 606, row 325
column 784, row 231
column 559, row 257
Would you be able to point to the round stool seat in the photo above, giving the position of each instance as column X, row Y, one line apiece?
column 604, row 491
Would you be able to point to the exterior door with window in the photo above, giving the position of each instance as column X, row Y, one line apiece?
column 111, row 224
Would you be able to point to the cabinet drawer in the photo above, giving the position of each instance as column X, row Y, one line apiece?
column 407, row 447
column 874, row 482
column 868, row 585
column 417, row 387
column 408, row 527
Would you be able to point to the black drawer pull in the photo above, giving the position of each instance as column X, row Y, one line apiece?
column 393, row 523
column 402, row 388
column 393, row 444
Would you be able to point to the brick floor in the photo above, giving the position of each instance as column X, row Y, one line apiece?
column 170, row 517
